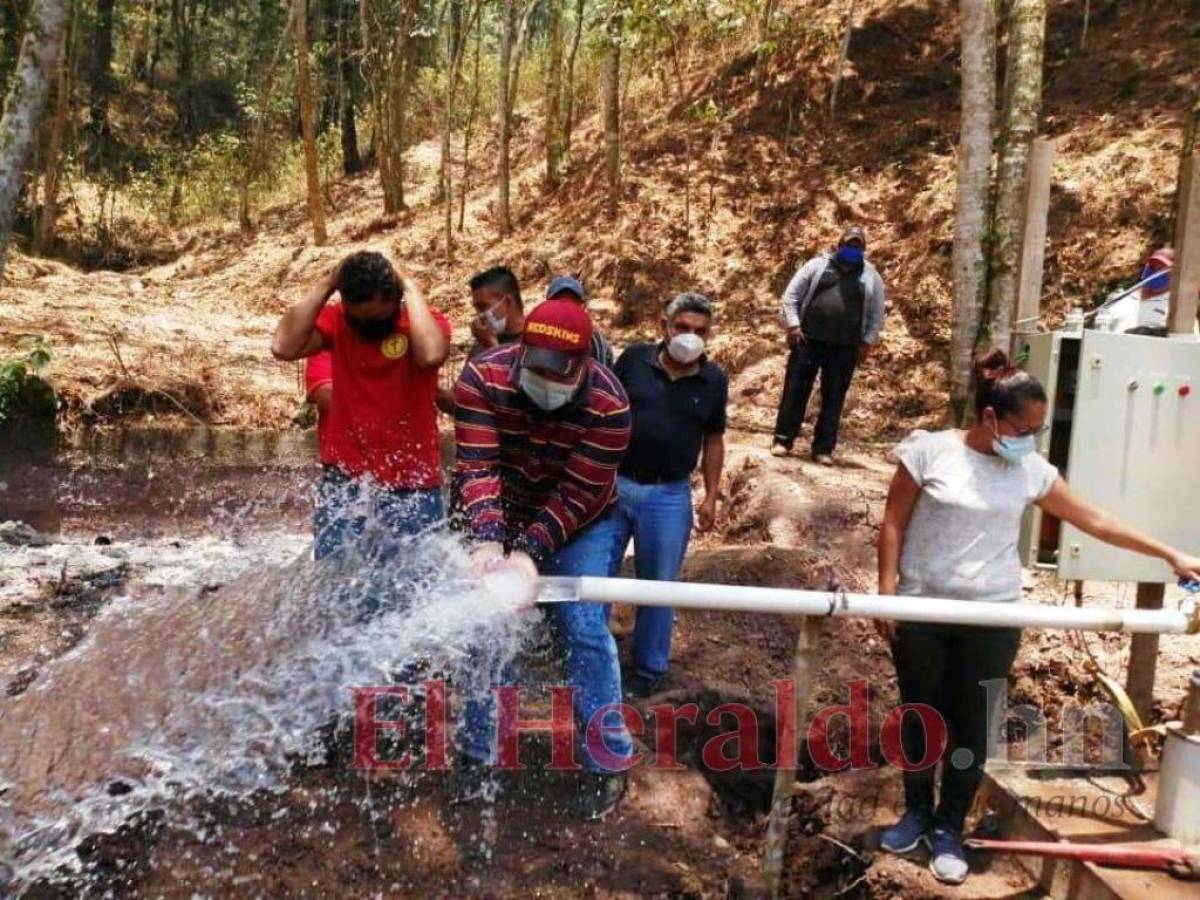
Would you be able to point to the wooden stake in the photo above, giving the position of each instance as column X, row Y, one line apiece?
column 803, row 666
column 1143, row 655
column 1181, row 319
column 1185, row 278
column 1033, row 240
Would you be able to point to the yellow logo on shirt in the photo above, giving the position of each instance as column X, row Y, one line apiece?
column 394, row 346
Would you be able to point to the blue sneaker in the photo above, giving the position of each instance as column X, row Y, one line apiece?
column 905, row 835
column 947, row 861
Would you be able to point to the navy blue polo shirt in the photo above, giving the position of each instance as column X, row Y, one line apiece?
column 670, row 418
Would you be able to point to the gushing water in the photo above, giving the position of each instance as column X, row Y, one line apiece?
column 194, row 691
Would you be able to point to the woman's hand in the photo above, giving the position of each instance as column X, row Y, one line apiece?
column 886, row 629
column 1185, row 566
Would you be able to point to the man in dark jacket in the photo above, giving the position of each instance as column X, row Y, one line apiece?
column 833, row 311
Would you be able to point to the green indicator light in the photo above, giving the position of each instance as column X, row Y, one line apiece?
column 1159, row 387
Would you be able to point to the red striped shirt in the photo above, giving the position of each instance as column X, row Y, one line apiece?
column 529, row 479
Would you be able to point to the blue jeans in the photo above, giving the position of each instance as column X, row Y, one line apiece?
column 658, row 518
column 589, row 655
column 350, row 509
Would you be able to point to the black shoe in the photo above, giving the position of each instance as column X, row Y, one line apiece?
column 599, row 795
column 641, row 685
column 471, row 780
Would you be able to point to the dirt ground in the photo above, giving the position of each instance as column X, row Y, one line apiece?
column 728, row 207
column 695, row 832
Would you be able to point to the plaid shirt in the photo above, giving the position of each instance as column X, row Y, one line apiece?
column 529, row 479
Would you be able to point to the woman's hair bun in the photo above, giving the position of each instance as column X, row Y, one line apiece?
column 992, row 365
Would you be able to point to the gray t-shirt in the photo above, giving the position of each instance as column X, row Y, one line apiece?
column 961, row 541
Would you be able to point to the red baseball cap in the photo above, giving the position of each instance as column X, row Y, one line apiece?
column 558, row 333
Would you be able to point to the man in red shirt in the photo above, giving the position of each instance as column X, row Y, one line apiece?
column 379, row 446
column 540, row 428
column 318, row 390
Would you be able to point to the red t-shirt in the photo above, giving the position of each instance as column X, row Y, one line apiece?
column 318, row 372
column 382, row 421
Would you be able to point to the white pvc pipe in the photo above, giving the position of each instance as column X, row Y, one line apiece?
column 692, row 595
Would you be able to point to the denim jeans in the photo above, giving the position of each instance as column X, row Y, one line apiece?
column 350, row 509
column 658, row 518
column 589, row 654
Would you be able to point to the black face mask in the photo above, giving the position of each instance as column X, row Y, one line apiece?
column 372, row 329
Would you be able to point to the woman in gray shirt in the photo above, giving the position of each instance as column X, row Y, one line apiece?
column 950, row 530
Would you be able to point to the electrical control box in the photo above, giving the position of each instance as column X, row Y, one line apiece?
column 1124, row 417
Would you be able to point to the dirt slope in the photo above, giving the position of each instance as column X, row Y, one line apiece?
column 769, row 180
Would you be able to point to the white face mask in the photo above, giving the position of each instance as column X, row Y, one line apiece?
column 546, row 394
column 685, row 349
column 496, row 321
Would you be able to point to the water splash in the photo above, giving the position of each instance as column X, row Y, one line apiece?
column 193, row 692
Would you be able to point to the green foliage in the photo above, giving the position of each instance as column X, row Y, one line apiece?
column 21, row 386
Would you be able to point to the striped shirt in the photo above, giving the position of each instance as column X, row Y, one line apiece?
column 528, row 479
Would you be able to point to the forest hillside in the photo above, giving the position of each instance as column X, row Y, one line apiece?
column 733, row 171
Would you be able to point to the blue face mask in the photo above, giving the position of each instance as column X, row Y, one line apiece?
column 851, row 256
column 1157, row 285
column 1013, row 449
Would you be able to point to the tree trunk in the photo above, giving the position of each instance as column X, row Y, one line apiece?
column 100, row 75
column 458, row 44
column 26, row 104
column 454, row 39
column 376, row 68
column 554, row 61
column 181, row 24
column 508, row 13
column 12, row 16
column 156, row 7
column 256, row 154
column 569, row 87
column 1191, row 132
column 312, row 176
column 974, row 172
column 351, row 161
column 43, row 236
column 842, row 56
column 402, row 66
column 766, row 20
column 612, row 112
column 1022, row 106
column 518, row 55
column 466, row 185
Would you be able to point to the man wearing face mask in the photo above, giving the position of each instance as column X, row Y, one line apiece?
column 499, row 312
column 833, row 310
column 1144, row 310
column 379, row 448
column 564, row 287
column 499, row 318
column 678, row 401
column 540, row 429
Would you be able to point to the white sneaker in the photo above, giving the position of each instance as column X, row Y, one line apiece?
column 947, row 860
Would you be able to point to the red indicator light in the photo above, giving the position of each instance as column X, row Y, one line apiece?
column 1184, row 390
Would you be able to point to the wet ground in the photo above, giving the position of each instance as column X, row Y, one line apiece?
column 332, row 829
